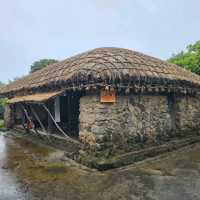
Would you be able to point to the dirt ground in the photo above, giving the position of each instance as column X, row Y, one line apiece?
column 38, row 172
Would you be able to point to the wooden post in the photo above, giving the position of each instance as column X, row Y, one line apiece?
column 37, row 118
column 50, row 122
column 53, row 120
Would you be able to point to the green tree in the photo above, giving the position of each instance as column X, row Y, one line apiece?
column 188, row 59
column 41, row 64
column 2, row 104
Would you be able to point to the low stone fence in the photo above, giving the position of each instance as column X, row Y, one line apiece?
column 136, row 156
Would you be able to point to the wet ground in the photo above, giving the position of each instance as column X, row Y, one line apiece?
column 31, row 171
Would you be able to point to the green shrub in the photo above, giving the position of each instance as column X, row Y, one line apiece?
column 2, row 104
column 1, row 124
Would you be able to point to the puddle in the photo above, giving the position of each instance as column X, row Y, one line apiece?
column 9, row 187
column 32, row 171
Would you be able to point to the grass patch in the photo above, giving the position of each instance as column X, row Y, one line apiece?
column 2, row 127
column 1, row 123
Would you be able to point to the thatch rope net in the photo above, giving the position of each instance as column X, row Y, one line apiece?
column 109, row 66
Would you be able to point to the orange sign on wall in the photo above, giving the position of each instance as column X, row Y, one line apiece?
column 108, row 96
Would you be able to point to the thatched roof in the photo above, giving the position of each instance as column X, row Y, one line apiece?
column 41, row 97
column 114, row 66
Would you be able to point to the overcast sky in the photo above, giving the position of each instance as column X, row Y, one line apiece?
column 36, row 29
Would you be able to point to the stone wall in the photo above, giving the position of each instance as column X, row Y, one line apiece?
column 138, row 118
column 187, row 114
column 8, row 116
column 132, row 118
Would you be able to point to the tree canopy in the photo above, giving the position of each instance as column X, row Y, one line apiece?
column 41, row 64
column 188, row 59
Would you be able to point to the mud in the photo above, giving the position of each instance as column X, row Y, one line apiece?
column 38, row 172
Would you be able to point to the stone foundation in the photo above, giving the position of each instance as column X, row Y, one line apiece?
column 8, row 116
column 138, row 118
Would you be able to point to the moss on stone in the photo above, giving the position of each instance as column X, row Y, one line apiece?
column 2, row 126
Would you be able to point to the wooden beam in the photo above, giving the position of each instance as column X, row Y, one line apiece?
column 37, row 118
column 25, row 112
column 56, row 124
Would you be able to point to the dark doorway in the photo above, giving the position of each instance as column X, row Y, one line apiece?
column 69, row 113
